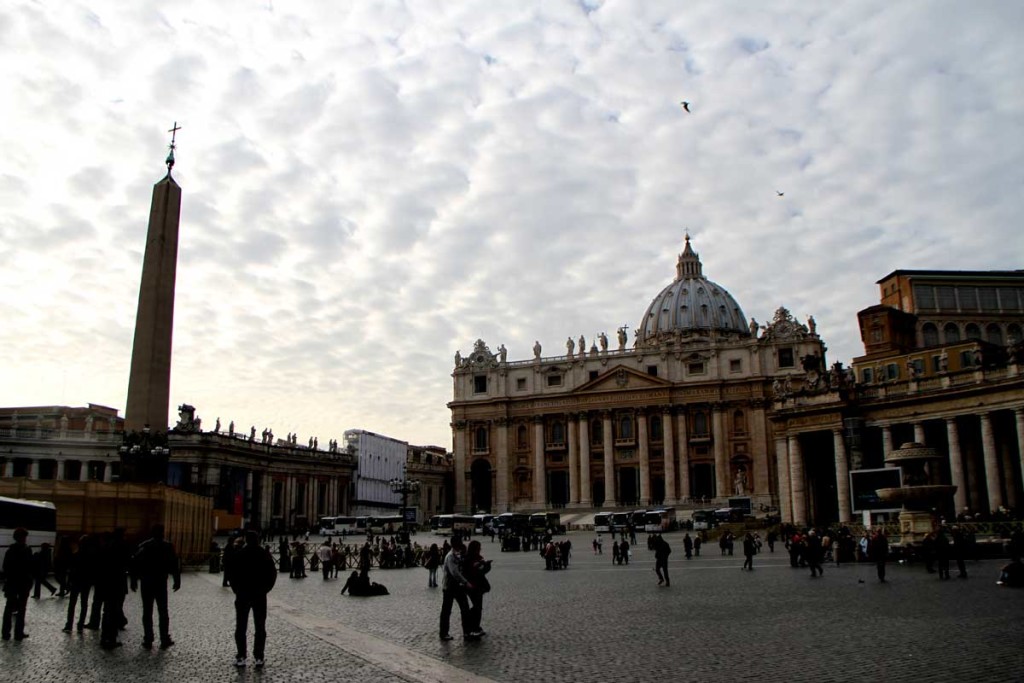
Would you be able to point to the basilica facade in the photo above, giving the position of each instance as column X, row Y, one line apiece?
column 682, row 415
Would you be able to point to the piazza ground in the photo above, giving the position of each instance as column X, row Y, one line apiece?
column 593, row 622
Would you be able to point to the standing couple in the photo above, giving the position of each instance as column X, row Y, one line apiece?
column 464, row 580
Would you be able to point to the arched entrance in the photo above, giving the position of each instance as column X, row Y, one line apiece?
column 480, row 485
column 702, row 481
column 629, row 486
column 597, row 495
column 558, row 488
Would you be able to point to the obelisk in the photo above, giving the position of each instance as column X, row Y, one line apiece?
column 149, row 384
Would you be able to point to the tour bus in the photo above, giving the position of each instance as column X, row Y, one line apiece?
column 657, row 521
column 540, row 522
column 620, row 521
column 386, row 525
column 326, row 525
column 482, row 523
column 459, row 525
column 340, row 526
column 603, row 522
column 703, row 519
column 638, row 519
column 39, row 518
column 723, row 515
column 512, row 522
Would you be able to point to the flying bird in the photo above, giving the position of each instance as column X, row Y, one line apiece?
column 686, row 106
column 780, row 193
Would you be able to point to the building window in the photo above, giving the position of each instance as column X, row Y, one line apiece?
column 967, row 359
column 868, row 375
column 596, row 433
column 479, row 384
column 558, row 433
column 520, row 384
column 625, row 427
column 988, row 299
column 695, row 368
column 739, row 422
column 994, row 334
column 936, row 364
column 652, row 370
column 968, row 298
column 918, row 365
column 951, row 333
column 892, row 371
column 924, row 295
column 735, row 365
column 946, row 297
column 972, row 331
column 930, row 334
column 554, row 380
column 480, row 440
column 656, row 431
column 1008, row 300
column 700, row 424
column 785, row 358
column 1013, row 334
column 593, row 375
column 522, row 440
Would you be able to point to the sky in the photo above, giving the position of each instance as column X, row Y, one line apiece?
column 370, row 186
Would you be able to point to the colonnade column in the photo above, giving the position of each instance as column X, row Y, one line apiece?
column 33, row 469
column 645, row 458
column 988, row 447
column 886, row 443
column 684, row 458
column 251, row 503
column 842, row 477
column 7, row 471
column 796, row 480
column 609, row 460
column 1018, row 414
column 574, row 460
column 461, row 446
column 60, row 470
column 669, row 457
column 585, row 500
column 956, row 465
column 782, row 465
column 919, row 432
column 721, row 458
column 501, row 465
column 83, row 471
column 539, row 476
column 762, row 472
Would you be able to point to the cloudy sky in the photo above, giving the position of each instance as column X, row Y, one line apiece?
column 369, row 186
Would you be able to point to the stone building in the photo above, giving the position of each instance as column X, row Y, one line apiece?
column 680, row 415
column 431, row 466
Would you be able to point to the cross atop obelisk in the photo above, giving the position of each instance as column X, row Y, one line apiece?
column 149, row 384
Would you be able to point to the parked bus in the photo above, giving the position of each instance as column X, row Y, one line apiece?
column 657, row 521
column 603, row 522
column 482, row 523
column 703, row 519
column 459, row 525
column 620, row 521
column 512, row 522
column 723, row 515
column 541, row 522
column 341, row 526
column 39, row 518
column 386, row 525
column 638, row 519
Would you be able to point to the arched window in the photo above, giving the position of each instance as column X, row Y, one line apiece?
column 739, row 422
column 994, row 334
column 973, row 331
column 1013, row 334
column 951, row 333
column 522, row 440
column 930, row 334
column 557, row 432
column 625, row 427
column 700, row 424
column 480, row 439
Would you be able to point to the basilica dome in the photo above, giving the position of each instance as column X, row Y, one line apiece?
column 691, row 304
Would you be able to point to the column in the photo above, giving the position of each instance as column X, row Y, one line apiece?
column 886, row 443
column 461, row 443
column 249, row 504
column 919, row 432
column 8, row 468
column 610, row 499
column 842, row 476
column 60, row 470
column 988, row 447
column 106, row 472
column 33, row 469
column 83, row 472
column 759, row 454
column 501, row 463
column 782, row 465
column 684, row 458
column 669, row 457
column 539, row 475
column 796, row 480
column 721, row 457
column 1018, row 414
column 574, row 460
column 956, row 465
column 645, row 458
column 585, row 489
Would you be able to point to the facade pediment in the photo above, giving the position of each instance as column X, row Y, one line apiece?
column 621, row 378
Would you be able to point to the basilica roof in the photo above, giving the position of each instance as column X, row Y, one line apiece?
column 691, row 304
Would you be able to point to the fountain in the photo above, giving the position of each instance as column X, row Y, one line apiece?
column 917, row 496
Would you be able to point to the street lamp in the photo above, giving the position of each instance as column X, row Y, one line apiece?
column 405, row 487
column 144, row 457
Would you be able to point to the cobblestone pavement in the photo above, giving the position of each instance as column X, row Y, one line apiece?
column 593, row 622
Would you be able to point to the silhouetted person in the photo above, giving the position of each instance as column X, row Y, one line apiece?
column 154, row 561
column 960, row 544
column 454, row 586
column 688, row 545
column 62, row 564
column 661, row 553
column 813, row 553
column 252, row 574
column 81, row 575
column 112, row 586
column 17, row 585
column 878, row 552
column 942, row 553
column 42, row 562
column 749, row 548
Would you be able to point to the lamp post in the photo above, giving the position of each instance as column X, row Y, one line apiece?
column 405, row 487
column 144, row 457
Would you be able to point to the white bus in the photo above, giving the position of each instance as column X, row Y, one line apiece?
column 38, row 517
column 603, row 522
column 342, row 526
column 459, row 525
column 391, row 524
column 657, row 521
column 482, row 523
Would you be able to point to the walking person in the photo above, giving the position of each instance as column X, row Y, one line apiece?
column 454, row 586
column 17, row 585
column 688, row 545
column 661, row 553
column 942, row 553
column 615, row 553
column 324, row 554
column 813, row 553
column 155, row 561
column 697, row 540
column 749, row 548
column 42, row 562
column 81, row 574
column 960, row 543
column 61, row 565
column 252, row 575
column 432, row 562
column 475, row 569
column 878, row 552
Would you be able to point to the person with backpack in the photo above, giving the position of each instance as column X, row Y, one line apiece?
column 252, row 574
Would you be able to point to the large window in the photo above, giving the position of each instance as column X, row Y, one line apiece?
column 625, row 427
column 558, row 433
column 973, row 331
column 930, row 334
column 480, row 440
column 596, row 432
column 994, row 334
column 947, row 298
column 987, row 298
column 968, row 297
column 785, row 358
column 479, row 384
column 951, row 333
column 554, row 380
column 656, row 431
column 924, row 296
column 1013, row 333
column 700, row 424
column 522, row 437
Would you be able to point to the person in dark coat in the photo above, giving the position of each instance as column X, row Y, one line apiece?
column 749, row 548
column 112, row 586
column 615, row 553
column 878, row 552
column 475, row 569
column 61, row 565
column 661, row 553
column 942, row 553
column 81, row 575
column 960, row 543
column 813, row 553
column 18, row 581
column 251, row 574
column 153, row 562
column 42, row 563
column 688, row 546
